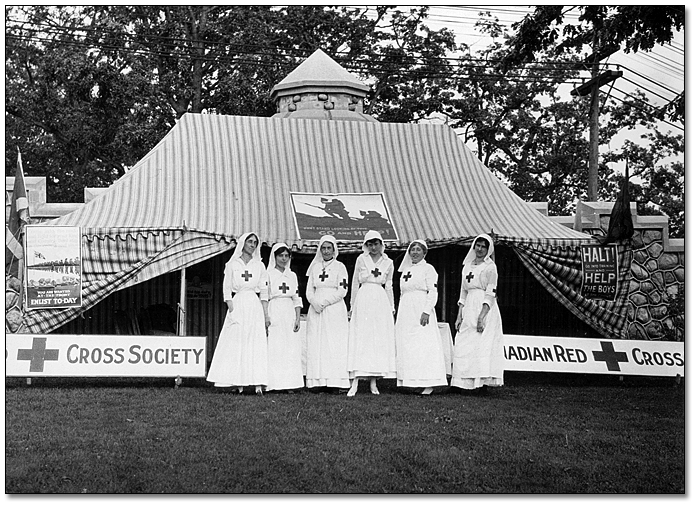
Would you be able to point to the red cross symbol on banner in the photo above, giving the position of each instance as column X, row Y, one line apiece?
column 608, row 354
column 37, row 355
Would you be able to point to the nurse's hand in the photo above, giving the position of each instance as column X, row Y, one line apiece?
column 424, row 319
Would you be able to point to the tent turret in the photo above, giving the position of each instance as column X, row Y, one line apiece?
column 320, row 88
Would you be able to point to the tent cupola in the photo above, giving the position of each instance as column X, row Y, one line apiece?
column 320, row 88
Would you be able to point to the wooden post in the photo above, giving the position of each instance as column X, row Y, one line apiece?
column 594, row 127
column 182, row 305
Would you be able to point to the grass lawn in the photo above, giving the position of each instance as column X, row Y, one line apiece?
column 538, row 434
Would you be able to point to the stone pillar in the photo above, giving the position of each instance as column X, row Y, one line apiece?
column 657, row 290
column 13, row 306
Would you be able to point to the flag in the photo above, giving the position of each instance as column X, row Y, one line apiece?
column 621, row 226
column 14, row 229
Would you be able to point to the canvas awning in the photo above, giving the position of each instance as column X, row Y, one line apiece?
column 225, row 175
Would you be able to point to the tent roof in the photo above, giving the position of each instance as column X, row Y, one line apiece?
column 230, row 174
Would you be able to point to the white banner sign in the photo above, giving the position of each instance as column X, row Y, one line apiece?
column 606, row 356
column 35, row 355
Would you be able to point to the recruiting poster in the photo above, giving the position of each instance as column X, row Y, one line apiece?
column 53, row 276
column 345, row 216
column 600, row 272
column 199, row 290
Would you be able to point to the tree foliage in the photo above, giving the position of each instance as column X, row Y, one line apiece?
column 519, row 125
column 639, row 27
column 90, row 90
column 537, row 142
column 408, row 69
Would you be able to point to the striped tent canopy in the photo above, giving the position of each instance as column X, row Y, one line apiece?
column 226, row 175
column 214, row 177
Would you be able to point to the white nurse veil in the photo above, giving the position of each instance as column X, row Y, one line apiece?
column 319, row 257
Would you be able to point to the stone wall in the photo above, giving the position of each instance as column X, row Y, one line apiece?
column 13, row 306
column 657, row 289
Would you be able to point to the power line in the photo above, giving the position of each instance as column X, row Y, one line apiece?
column 37, row 36
column 645, row 88
column 359, row 66
column 452, row 71
column 649, row 79
column 643, row 106
column 661, row 65
column 40, row 36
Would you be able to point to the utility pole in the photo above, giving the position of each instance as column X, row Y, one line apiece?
column 592, row 87
column 594, row 128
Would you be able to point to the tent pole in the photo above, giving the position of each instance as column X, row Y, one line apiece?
column 181, row 307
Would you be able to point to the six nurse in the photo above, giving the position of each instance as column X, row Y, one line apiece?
column 260, row 344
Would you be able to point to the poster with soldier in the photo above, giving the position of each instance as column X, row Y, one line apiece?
column 345, row 216
column 53, row 267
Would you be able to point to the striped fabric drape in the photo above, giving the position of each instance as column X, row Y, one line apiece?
column 558, row 269
column 116, row 258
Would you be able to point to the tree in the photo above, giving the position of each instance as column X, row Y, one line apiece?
column 521, row 128
column 91, row 89
column 604, row 29
column 408, row 68
column 74, row 114
column 639, row 27
column 535, row 141
column 656, row 173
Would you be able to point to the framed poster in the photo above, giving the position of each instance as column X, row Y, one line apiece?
column 53, row 270
column 600, row 272
column 345, row 216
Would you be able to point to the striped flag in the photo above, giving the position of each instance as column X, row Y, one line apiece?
column 14, row 229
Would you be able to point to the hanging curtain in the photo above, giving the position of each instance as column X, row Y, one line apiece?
column 116, row 258
column 558, row 268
